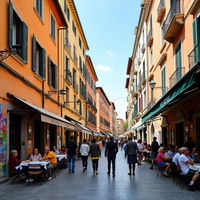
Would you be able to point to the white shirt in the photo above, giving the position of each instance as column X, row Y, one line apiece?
column 176, row 158
column 183, row 165
column 135, row 141
column 139, row 146
column 84, row 150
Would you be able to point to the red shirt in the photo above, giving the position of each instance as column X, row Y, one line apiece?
column 14, row 162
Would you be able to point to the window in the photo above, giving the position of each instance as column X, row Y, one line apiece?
column 80, row 43
column 151, row 26
column 80, row 107
column 163, row 77
column 67, row 94
column 161, row 32
column 18, row 32
column 74, row 78
column 151, row 57
column 38, row 59
column 73, row 27
column 52, row 76
column 74, row 102
column 145, row 99
column 39, row 7
column 53, row 27
column 178, row 56
column 83, row 51
column 68, row 14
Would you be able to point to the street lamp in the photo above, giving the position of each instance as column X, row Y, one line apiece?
column 152, row 85
column 6, row 53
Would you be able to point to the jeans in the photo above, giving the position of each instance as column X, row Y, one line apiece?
column 113, row 165
column 23, row 170
column 73, row 158
column 49, row 167
column 95, row 164
column 84, row 161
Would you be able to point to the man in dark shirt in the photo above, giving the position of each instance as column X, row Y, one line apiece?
column 154, row 151
column 111, row 151
column 189, row 144
column 71, row 150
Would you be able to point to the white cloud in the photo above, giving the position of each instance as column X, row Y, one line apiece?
column 103, row 68
column 110, row 53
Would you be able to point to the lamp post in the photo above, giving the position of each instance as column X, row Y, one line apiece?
column 152, row 85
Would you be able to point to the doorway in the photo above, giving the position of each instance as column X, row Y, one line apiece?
column 53, row 141
column 140, row 134
column 37, row 135
column 164, row 135
column 15, row 134
column 179, row 130
column 67, row 135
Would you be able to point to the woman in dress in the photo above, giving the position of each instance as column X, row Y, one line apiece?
column 35, row 155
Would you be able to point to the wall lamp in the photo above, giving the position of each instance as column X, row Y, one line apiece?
column 6, row 53
column 78, row 102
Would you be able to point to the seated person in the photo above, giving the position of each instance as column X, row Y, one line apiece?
column 14, row 162
column 161, row 160
column 185, row 161
column 35, row 155
column 175, row 160
column 55, row 151
column 63, row 150
column 195, row 155
column 49, row 155
column 172, row 151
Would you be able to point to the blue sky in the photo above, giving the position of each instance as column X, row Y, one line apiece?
column 109, row 29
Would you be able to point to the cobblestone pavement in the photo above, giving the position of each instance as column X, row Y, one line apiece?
column 144, row 185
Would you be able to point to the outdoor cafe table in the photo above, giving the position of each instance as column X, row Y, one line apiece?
column 196, row 167
column 42, row 163
column 60, row 157
column 146, row 154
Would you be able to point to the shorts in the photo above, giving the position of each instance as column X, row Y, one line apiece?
column 191, row 171
column 161, row 164
column 154, row 154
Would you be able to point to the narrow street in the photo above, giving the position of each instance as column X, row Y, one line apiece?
column 144, row 185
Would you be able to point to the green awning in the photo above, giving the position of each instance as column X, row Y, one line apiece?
column 173, row 94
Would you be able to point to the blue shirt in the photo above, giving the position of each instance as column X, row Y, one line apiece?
column 172, row 154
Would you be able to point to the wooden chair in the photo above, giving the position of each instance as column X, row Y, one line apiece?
column 161, row 169
column 37, row 170
column 16, row 176
column 184, row 178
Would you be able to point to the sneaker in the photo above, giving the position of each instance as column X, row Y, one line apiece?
column 108, row 173
column 30, row 180
column 151, row 167
column 70, row 170
column 49, row 178
column 84, row 168
column 73, row 172
column 191, row 188
column 165, row 174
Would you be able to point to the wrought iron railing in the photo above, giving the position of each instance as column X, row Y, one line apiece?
column 175, row 9
column 150, row 35
column 176, row 76
column 75, row 59
column 135, row 114
column 69, row 76
column 68, row 45
column 161, row 5
column 75, row 86
column 151, row 103
column 194, row 56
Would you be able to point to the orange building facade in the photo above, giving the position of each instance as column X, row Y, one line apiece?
column 113, row 119
column 29, row 102
column 173, row 61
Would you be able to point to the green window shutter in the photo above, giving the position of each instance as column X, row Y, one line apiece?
column 73, row 78
column 10, row 43
column 73, row 25
column 65, row 6
column 52, row 27
column 34, row 54
column 151, row 25
column 144, row 67
column 80, row 87
column 80, row 107
column 68, row 14
column 49, row 70
column 66, row 67
column 83, row 51
column 55, row 77
column 24, row 42
column 43, row 63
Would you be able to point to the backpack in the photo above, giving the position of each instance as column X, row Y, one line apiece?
column 155, row 146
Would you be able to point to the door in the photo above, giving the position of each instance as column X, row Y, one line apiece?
column 164, row 135
column 15, row 133
column 197, row 142
column 179, row 130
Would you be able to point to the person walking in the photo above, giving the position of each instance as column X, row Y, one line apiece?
column 140, row 147
column 110, row 152
column 95, row 154
column 132, row 151
column 71, row 150
column 154, row 150
column 84, row 151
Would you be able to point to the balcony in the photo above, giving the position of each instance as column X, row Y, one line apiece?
column 194, row 56
column 75, row 86
column 135, row 91
column 150, row 38
column 174, row 21
column 134, row 115
column 135, row 70
column 161, row 10
column 143, row 78
column 151, row 104
column 68, row 45
column 139, row 60
column 75, row 59
column 69, row 76
column 176, row 76
column 143, row 48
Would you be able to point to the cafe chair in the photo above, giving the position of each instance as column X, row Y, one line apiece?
column 184, row 178
column 160, row 169
column 16, row 176
column 34, row 169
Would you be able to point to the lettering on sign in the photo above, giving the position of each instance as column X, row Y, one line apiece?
column 165, row 101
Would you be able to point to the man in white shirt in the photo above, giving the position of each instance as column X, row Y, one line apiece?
column 84, row 150
column 140, row 147
column 185, row 161
column 175, row 159
column 135, row 139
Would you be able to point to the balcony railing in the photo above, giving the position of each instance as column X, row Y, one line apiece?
column 75, row 59
column 139, row 60
column 171, row 27
column 75, row 86
column 134, row 115
column 194, row 56
column 135, row 69
column 69, row 76
column 143, row 48
column 142, row 78
column 150, row 38
column 160, row 10
column 176, row 76
column 151, row 103
column 68, row 45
